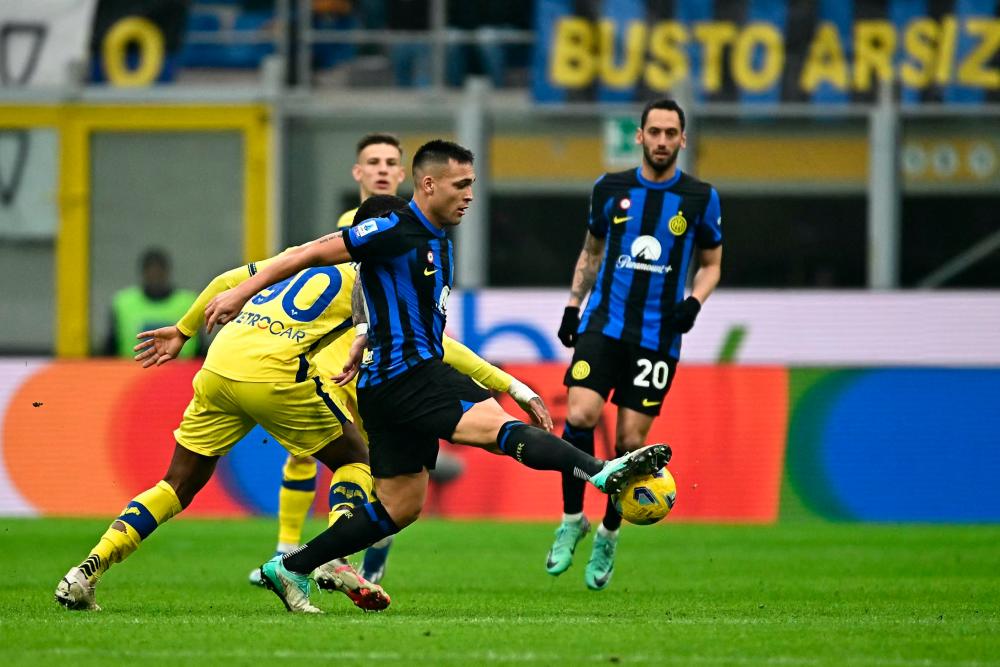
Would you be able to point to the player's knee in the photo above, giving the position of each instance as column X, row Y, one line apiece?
column 583, row 416
column 403, row 513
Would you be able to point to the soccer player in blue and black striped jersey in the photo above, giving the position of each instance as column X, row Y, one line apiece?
column 407, row 397
column 647, row 225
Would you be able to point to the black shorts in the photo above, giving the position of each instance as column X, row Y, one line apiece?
column 640, row 377
column 407, row 415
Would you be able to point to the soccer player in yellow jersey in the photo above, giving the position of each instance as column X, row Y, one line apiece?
column 259, row 370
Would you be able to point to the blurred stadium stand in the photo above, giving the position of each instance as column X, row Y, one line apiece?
column 823, row 190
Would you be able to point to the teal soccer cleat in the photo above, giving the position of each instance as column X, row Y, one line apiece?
column 602, row 562
column 291, row 587
column 568, row 535
column 617, row 473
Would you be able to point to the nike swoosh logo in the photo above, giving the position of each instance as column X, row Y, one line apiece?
column 429, row 272
column 603, row 581
column 646, row 403
column 620, row 219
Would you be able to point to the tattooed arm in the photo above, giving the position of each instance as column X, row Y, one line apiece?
column 585, row 272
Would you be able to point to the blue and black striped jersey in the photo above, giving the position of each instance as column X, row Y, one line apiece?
column 650, row 231
column 406, row 273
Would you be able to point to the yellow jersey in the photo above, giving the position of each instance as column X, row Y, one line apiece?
column 280, row 329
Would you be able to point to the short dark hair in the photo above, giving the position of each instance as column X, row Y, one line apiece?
column 439, row 151
column 377, row 206
column 373, row 138
column 156, row 256
column 662, row 103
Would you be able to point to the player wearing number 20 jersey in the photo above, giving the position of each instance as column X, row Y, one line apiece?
column 651, row 230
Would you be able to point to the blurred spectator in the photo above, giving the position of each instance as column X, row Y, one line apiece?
column 153, row 304
column 411, row 61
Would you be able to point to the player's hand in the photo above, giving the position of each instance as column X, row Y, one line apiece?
column 684, row 313
column 353, row 363
column 223, row 308
column 159, row 346
column 540, row 416
column 567, row 328
column 531, row 403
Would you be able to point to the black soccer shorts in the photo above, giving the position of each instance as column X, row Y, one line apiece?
column 639, row 377
column 406, row 416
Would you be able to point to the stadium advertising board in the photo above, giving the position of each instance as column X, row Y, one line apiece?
column 878, row 444
column 796, row 328
column 767, row 51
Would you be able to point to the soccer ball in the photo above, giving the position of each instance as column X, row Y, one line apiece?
column 647, row 499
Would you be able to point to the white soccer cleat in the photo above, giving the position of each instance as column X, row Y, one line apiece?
column 75, row 592
column 339, row 575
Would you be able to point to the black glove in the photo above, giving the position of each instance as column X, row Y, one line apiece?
column 683, row 315
column 567, row 328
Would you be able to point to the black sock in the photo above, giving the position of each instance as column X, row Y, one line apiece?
column 541, row 450
column 572, row 487
column 362, row 527
column 612, row 519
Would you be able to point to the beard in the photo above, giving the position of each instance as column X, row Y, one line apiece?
column 661, row 165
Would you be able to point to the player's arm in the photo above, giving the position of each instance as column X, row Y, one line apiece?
column 584, row 277
column 327, row 250
column 359, row 314
column 706, row 279
column 708, row 237
column 467, row 362
column 585, row 273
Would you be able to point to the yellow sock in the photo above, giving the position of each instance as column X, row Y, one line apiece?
column 298, row 489
column 142, row 516
column 351, row 486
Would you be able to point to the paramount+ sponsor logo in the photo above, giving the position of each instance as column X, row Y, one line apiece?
column 271, row 325
column 645, row 252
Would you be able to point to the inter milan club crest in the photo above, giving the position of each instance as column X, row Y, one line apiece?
column 624, row 204
column 430, row 256
column 678, row 225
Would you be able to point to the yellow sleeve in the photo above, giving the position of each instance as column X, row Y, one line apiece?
column 347, row 219
column 195, row 315
column 467, row 362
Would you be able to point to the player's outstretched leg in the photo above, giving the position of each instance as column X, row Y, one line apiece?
column 618, row 472
column 541, row 450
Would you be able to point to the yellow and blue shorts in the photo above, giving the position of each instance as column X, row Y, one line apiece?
column 347, row 396
column 300, row 415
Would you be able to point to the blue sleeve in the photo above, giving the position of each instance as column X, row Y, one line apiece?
column 374, row 238
column 598, row 223
column 709, row 232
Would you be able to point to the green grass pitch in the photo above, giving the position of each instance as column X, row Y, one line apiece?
column 464, row 593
